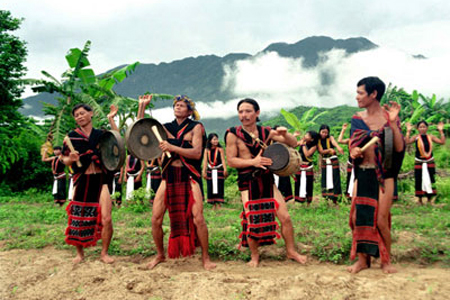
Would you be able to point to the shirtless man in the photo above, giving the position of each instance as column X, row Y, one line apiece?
column 245, row 154
column 181, row 173
column 90, row 189
column 374, row 184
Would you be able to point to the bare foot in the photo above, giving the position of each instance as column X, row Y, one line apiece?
column 106, row 259
column 208, row 264
column 254, row 262
column 78, row 259
column 388, row 269
column 358, row 266
column 157, row 260
column 295, row 256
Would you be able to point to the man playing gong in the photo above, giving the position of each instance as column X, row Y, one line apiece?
column 374, row 177
column 90, row 210
column 180, row 191
column 261, row 199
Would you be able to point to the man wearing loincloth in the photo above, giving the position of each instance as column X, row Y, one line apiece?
column 59, row 174
column 374, row 181
column 90, row 210
column 261, row 199
column 179, row 191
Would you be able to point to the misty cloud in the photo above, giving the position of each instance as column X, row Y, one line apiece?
column 277, row 82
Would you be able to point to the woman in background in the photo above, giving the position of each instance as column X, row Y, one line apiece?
column 214, row 170
column 331, row 180
column 424, row 167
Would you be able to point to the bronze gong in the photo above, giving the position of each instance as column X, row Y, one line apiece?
column 142, row 142
column 112, row 150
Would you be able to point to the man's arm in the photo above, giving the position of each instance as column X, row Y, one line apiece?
column 112, row 113
column 224, row 162
column 205, row 162
column 281, row 135
column 393, row 110
column 235, row 161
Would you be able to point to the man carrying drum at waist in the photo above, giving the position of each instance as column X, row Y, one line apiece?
column 261, row 199
column 179, row 191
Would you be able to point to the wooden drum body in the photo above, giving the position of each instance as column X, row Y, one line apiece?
column 285, row 160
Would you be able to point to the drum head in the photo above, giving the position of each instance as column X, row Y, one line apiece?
column 142, row 142
column 388, row 147
column 112, row 150
column 279, row 155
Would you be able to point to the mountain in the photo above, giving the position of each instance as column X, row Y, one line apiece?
column 202, row 77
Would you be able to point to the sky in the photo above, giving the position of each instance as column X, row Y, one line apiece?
column 154, row 31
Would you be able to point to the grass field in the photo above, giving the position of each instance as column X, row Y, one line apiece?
column 420, row 233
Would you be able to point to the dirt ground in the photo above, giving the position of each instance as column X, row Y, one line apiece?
column 49, row 274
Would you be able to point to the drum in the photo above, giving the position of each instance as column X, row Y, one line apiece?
column 285, row 160
column 112, row 150
column 142, row 142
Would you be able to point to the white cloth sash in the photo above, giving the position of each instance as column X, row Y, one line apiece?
column 215, row 181
column 71, row 189
column 426, row 180
column 351, row 184
column 276, row 179
column 329, row 170
column 149, row 183
column 55, row 187
column 302, row 190
column 130, row 187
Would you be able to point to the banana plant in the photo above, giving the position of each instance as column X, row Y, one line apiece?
column 306, row 121
column 79, row 84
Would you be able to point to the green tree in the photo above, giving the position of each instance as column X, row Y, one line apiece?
column 12, row 57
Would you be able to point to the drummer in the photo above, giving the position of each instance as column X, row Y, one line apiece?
column 179, row 191
column 265, row 201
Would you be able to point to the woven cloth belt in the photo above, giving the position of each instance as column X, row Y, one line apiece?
column 216, row 167
column 423, row 160
column 59, row 176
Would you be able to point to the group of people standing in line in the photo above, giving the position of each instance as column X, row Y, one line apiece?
column 177, row 181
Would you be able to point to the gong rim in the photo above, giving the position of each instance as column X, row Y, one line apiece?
column 141, row 141
column 112, row 150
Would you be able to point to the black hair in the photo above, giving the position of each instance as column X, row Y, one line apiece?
column 422, row 122
column 81, row 105
column 57, row 148
column 373, row 84
column 315, row 138
column 210, row 137
column 252, row 102
column 324, row 126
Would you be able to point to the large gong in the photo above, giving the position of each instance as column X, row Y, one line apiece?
column 112, row 150
column 142, row 142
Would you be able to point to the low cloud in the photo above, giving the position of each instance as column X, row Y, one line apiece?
column 278, row 82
